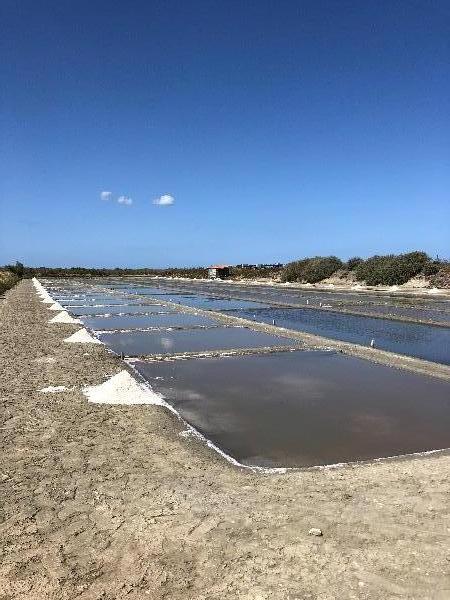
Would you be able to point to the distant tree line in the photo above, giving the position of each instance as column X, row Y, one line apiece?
column 28, row 272
column 390, row 269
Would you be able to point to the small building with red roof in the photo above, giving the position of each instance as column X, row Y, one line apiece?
column 218, row 272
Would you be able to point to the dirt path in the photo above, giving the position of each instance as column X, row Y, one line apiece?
column 102, row 502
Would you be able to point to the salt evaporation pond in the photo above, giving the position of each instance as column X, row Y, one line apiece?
column 417, row 308
column 139, row 343
column 99, row 301
column 128, row 309
column 305, row 408
column 414, row 339
column 208, row 303
column 141, row 290
column 173, row 319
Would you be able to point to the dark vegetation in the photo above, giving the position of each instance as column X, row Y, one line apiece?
column 256, row 272
column 7, row 280
column 193, row 272
column 390, row 269
column 353, row 263
column 10, row 275
column 395, row 269
column 442, row 277
column 311, row 270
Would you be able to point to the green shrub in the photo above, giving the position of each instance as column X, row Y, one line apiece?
column 354, row 262
column 442, row 277
column 431, row 268
column 311, row 270
column 392, row 269
column 17, row 269
column 7, row 280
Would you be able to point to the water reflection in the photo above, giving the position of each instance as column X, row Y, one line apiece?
column 305, row 408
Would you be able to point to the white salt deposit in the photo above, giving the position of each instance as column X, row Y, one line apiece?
column 53, row 389
column 122, row 389
column 42, row 292
column 45, row 296
column 82, row 336
column 64, row 317
column 56, row 306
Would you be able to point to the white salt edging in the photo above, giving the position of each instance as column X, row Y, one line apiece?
column 54, row 389
column 82, row 336
column 122, row 389
column 193, row 432
column 64, row 317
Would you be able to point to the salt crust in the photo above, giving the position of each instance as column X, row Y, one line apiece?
column 53, row 389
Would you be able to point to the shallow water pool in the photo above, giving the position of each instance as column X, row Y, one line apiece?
column 413, row 339
column 305, row 408
column 173, row 319
column 139, row 343
column 128, row 309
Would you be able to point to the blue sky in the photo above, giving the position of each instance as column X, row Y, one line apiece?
column 279, row 129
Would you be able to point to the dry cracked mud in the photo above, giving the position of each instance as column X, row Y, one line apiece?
column 106, row 502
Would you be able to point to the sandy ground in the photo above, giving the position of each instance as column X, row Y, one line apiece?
column 102, row 502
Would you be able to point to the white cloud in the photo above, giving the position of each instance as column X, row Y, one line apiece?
column 125, row 200
column 105, row 195
column 164, row 200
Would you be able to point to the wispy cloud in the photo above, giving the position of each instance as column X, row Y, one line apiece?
column 164, row 200
column 105, row 195
column 125, row 200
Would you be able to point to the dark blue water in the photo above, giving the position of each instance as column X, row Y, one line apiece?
column 423, row 341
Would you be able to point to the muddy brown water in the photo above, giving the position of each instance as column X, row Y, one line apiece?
column 138, row 343
column 305, row 408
